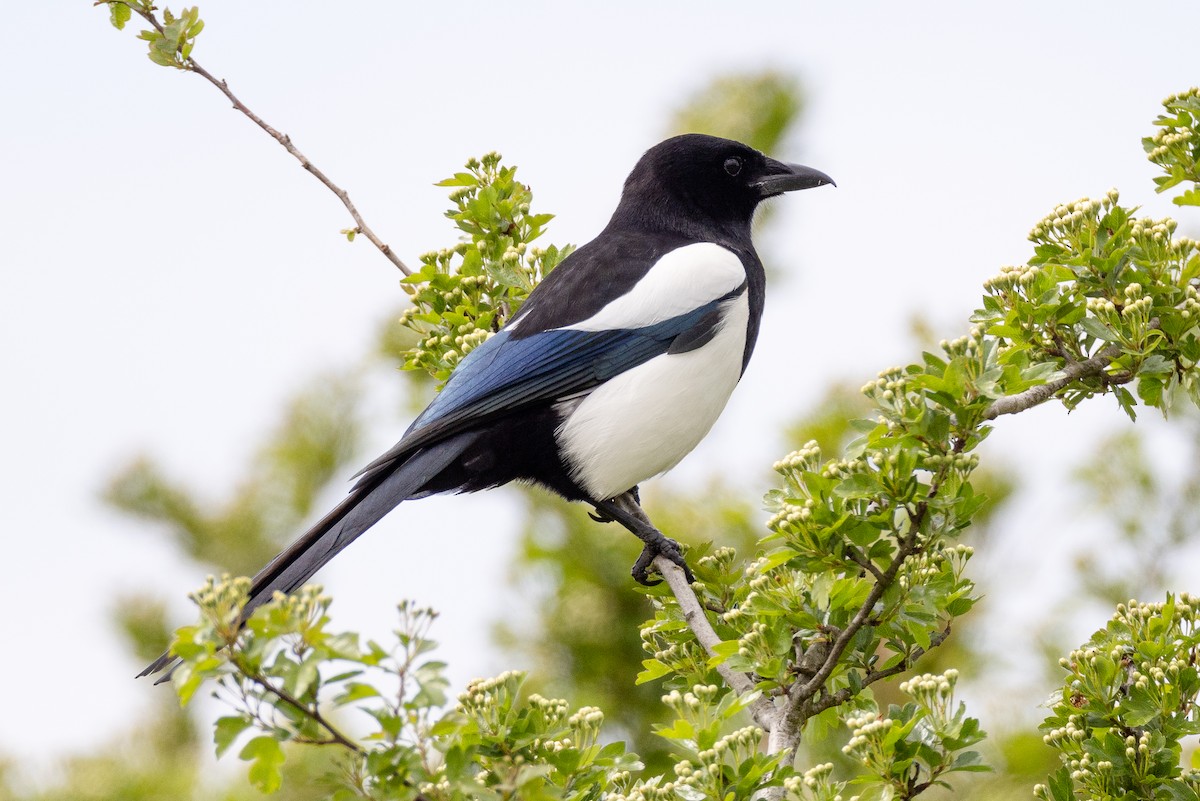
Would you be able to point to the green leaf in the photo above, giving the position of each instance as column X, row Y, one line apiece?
column 859, row 485
column 1097, row 329
column 722, row 651
column 460, row 179
column 227, row 730
column 679, row 730
column 654, row 669
column 161, row 58
column 1150, row 390
column 1061, row 786
column 119, row 14
column 1188, row 198
column 356, row 691
column 265, row 756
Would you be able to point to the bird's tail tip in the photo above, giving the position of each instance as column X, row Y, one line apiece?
column 167, row 662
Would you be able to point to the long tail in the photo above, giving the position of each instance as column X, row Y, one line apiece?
column 381, row 489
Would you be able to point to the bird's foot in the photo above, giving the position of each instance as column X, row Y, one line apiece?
column 660, row 546
column 626, row 510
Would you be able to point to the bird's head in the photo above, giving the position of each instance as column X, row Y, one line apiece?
column 696, row 177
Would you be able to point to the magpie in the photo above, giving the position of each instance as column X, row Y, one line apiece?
column 613, row 370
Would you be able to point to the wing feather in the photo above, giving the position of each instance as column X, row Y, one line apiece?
column 507, row 373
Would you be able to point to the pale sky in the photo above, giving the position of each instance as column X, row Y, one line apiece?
column 170, row 276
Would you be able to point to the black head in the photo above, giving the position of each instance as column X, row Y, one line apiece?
column 698, row 180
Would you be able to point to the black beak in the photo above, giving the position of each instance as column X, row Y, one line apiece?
column 782, row 178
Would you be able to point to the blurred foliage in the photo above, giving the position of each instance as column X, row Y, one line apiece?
column 1148, row 515
column 318, row 435
column 759, row 108
column 160, row 758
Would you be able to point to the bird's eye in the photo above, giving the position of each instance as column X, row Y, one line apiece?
column 733, row 165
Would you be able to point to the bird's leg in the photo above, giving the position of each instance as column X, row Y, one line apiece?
column 601, row 517
column 626, row 510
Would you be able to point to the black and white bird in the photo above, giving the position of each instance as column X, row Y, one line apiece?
column 614, row 369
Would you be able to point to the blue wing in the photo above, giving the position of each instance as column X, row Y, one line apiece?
column 510, row 372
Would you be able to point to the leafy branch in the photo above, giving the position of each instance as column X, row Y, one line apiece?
column 1107, row 300
column 171, row 40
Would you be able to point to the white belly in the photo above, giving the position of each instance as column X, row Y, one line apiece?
column 644, row 421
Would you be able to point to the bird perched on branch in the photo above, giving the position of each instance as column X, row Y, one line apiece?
column 613, row 370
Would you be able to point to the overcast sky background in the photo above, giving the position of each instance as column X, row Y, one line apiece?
column 169, row 276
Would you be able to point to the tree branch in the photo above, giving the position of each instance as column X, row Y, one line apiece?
column 1069, row 374
column 859, row 558
column 335, row 736
column 762, row 710
column 843, row 695
column 284, row 140
column 907, row 548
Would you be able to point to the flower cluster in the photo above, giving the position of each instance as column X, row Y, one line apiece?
column 1175, row 147
column 867, row 744
column 933, row 691
column 1011, row 277
column 489, row 701
column 945, row 561
column 221, row 603
column 815, row 784
column 968, row 345
column 889, row 389
column 1069, row 223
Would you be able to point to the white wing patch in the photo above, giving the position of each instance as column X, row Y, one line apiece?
column 682, row 280
column 643, row 421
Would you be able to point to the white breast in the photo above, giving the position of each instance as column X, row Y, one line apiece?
column 682, row 280
column 644, row 421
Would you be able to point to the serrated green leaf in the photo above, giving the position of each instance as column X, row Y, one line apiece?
column 459, row 179
column 1189, row 198
column 654, row 669
column 119, row 14
column 227, row 730
column 266, row 757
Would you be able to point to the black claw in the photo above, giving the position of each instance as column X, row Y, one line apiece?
column 673, row 553
column 641, row 568
column 655, row 543
column 668, row 548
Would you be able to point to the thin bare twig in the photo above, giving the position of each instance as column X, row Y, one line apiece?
column 859, row 558
column 843, row 695
column 335, row 736
column 360, row 225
